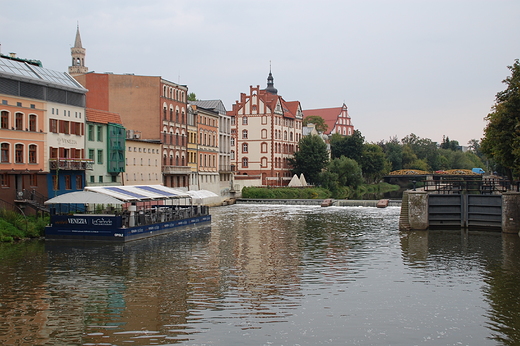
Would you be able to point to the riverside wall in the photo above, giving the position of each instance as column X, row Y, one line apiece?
column 336, row 202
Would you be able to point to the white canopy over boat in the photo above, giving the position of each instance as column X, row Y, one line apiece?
column 83, row 197
column 133, row 193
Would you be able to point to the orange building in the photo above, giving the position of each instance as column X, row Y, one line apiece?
column 265, row 134
column 41, row 131
column 207, row 148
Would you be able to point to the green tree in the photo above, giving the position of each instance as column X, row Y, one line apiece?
column 373, row 163
column 447, row 144
column 321, row 126
column 394, row 153
column 345, row 171
column 192, row 97
column 310, row 159
column 348, row 146
column 501, row 140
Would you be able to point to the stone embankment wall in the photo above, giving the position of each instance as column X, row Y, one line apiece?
column 336, row 203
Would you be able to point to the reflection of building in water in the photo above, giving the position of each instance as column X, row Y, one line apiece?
column 24, row 301
column 255, row 261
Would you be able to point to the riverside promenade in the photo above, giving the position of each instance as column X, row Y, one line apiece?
column 335, row 202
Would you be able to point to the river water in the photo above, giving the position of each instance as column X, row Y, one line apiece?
column 268, row 275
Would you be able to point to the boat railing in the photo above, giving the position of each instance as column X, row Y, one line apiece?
column 162, row 214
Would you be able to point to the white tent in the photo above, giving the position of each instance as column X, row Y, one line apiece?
column 302, row 180
column 204, row 197
column 83, row 197
column 295, row 182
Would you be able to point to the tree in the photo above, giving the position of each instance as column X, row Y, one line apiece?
column 346, row 172
column 318, row 121
column 192, row 97
column 501, row 140
column 447, row 144
column 394, row 153
column 349, row 146
column 310, row 159
column 373, row 162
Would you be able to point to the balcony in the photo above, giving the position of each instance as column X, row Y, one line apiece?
column 71, row 164
column 176, row 169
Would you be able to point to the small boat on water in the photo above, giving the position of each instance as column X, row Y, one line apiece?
column 123, row 213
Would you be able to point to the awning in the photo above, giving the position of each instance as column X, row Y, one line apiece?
column 83, row 197
column 133, row 193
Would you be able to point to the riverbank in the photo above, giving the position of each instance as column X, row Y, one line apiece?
column 336, row 202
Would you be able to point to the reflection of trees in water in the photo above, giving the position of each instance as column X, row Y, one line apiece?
column 503, row 280
column 494, row 257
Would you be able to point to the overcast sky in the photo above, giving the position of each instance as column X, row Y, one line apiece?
column 426, row 67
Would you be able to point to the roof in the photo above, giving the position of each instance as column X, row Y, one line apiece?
column 139, row 192
column 102, row 117
column 83, row 197
column 215, row 105
column 330, row 115
column 21, row 70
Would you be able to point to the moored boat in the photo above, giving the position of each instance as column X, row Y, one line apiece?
column 123, row 213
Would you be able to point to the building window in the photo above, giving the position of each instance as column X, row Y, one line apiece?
column 4, row 180
column 68, row 183
column 79, row 182
column 100, row 178
column 264, row 133
column 244, row 120
column 100, row 156
column 18, row 153
column 245, row 162
column 91, row 133
column 33, row 180
column 264, row 147
column 32, row 153
column 232, row 141
column 100, row 134
column 53, row 125
column 18, row 121
column 32, row 122
column 55, row 182
column 264, row 161
column 92, row 179
column 245, row 147
column 5, row 152
column 232, row 154
column 91, row 154
column 5, row 120
column 244, row 134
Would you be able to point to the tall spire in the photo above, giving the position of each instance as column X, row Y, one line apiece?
column 77, row 42
column 270, row 82
column 78, row 57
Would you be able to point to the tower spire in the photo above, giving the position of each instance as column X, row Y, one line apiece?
column 78, row 57
column 270, row 82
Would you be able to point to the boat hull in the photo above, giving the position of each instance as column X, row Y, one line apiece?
column 108, row 228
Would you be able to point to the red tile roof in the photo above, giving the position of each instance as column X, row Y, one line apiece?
column 102, row 117
column 330, row 115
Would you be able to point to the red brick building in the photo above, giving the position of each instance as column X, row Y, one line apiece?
column 151, row 106
column 337, row 119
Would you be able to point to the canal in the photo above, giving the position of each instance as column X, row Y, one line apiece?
column 268, row 275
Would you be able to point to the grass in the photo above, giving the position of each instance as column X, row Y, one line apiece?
column 15, row 226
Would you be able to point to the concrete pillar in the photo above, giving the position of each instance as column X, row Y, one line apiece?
column 511, row 212
column 418, row 210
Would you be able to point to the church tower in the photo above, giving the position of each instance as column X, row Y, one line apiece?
column 78, row 57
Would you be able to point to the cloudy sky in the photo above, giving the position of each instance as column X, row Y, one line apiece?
column 401, row 66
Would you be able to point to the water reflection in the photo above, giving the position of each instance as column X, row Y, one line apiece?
column 267, row 275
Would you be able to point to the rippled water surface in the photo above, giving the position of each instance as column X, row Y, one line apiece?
column 268, row 275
